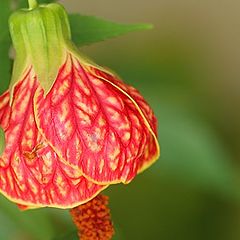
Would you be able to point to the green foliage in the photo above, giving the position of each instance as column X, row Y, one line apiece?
column 90, row 29
column 5, row 63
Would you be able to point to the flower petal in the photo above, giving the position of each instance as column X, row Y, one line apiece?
column 30, row 171
column 94, row 125
column 4, row 109
column 135, row 99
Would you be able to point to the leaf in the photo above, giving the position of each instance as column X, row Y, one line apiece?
column 5, row 42
column 90, row 29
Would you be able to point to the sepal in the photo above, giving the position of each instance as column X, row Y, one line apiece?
column 40, row 37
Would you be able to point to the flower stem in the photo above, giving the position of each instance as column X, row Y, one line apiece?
column 32, row 4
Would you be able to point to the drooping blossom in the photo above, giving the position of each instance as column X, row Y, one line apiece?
column 71, row 127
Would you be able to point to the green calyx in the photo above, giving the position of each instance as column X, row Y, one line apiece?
column 41, row 36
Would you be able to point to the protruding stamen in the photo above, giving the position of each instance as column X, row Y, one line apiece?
column 93, row 219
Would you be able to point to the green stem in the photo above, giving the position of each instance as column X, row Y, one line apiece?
column 32, row 4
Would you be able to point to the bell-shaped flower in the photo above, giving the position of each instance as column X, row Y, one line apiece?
column 71, row 127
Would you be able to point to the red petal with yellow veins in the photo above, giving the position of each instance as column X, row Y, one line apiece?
column 30, row 171
column 132, row 93
column 4, row 110
column 94, row 126
column 135, row 99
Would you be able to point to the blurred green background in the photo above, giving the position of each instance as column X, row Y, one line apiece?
column 187, row 69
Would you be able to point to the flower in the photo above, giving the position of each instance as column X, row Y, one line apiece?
column 71, row 127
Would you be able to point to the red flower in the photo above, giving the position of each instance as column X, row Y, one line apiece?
column 66, row 145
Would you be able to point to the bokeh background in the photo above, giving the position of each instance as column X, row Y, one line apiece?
column 187, row 68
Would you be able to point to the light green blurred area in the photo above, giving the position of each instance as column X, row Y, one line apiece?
column 187, row 69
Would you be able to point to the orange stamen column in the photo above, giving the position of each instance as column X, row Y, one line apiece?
column 93, row 219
